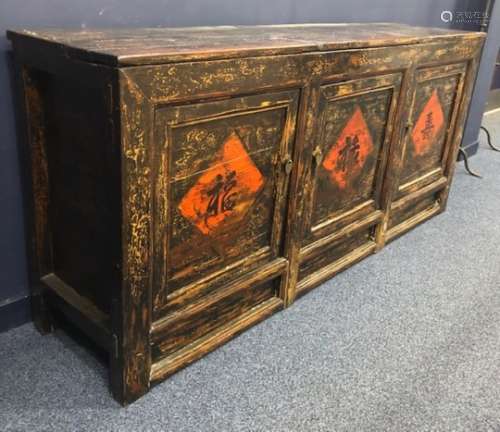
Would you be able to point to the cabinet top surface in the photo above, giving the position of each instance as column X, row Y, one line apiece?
column 136, row 46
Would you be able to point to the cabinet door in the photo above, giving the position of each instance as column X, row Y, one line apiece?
column 221, row 174
column 427, row 150
column 355, row 124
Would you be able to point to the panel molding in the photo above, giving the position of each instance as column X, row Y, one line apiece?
column 316, row 278
column 424, row 179
column 202, row 346
column 313, row 249
column 268, row 272
column 412, row 222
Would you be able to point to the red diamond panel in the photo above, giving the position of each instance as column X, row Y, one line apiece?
column 347, row 156
column 224, row 192
column 428, row 125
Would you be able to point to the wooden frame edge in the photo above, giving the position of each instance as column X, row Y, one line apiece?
column 194, row 351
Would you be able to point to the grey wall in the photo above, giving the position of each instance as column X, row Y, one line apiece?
column 100, row 13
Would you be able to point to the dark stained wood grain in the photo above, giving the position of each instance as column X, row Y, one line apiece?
column 166, row 45
column 192, row 352
column 188, row 183
column 32, row 135
column 84, row 189
column 135, row 300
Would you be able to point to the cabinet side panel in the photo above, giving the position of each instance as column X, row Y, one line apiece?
column 84, row 190
column 32, row 144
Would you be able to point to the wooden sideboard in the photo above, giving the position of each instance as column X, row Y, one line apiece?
column 188, row 183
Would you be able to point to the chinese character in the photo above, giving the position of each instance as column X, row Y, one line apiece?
column 221, row 197
column 429, row 127
column 349, row 155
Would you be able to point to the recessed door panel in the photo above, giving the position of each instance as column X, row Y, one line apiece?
column 350, row 151
column 354, row 129
column 352, row 140
column 221, row 171
column 428, row 144
column 432, row 112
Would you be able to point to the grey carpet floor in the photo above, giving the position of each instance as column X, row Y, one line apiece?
column 407, row 340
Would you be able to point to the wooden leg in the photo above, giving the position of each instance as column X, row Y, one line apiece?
column 131, row 315
column 40, row 312
column 130, row 358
